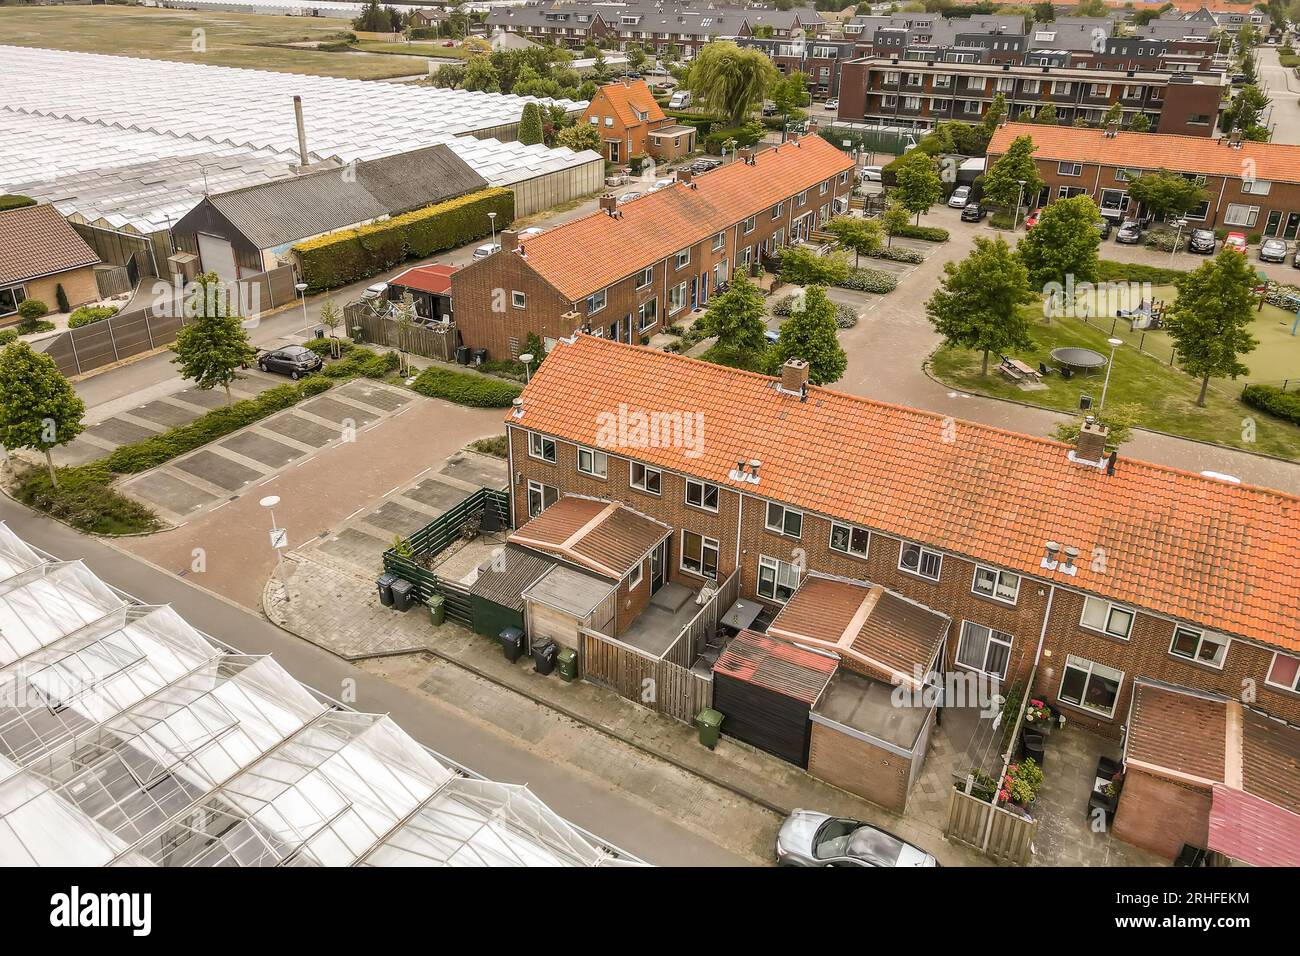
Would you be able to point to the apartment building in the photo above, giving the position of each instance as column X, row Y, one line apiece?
column 818, row 59
column 1102, row 572
column 629, row 269
column 1252, row 187
column 918, row 94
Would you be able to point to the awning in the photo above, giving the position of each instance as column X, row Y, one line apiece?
column 1252, row 830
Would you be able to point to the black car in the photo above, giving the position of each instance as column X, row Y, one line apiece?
column 1202, row 241
column 704, row 165
column 973, row 212
column 1103, row 228
column 292, row 360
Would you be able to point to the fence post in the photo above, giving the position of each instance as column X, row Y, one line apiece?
column 72, row 341
column 148, row 327
column 113, row 340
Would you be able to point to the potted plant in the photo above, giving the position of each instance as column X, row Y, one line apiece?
column 1037, row 712
column 1021, row 782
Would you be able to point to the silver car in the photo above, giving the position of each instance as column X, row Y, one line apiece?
column 1272, row 250
column 809, row 838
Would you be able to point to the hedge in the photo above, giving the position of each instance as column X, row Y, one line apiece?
column 870, row 280
column 1108, row 270
column 7, row 336
column 928, row 233
column 1274, row 401
column 88, row 314
column 713, row 143
column 466, row 388
column 340, row 258
column 899, row 254
column 15, row 201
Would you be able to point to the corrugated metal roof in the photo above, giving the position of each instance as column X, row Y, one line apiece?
column 777, row 666
column 506, row 587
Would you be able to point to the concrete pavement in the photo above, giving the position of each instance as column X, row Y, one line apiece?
column 1283, row 88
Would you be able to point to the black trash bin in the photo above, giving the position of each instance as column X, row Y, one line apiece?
column 544, row 652
column 480, row 356
column 512, row 643
column 403, row 595
column 385, row 585
column 462, row 354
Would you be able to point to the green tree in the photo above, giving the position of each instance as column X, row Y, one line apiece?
column 1091, row 8
column 38, row 408
column 1120, row 420
column 480, row 76
column 996, row 111
column 731, row 81
column 1002, row 183
column 810, row 334
column 1139, row 124
column 1044, row 12
column 977, row 304
column 1244, row 112
column 1046, row 115
column 61, row 298
column 1064, row 243
column 802, row 266
column 1165, row 194
column 578, row 137
column 449, row 76
column 331, row 319
column 635, row 56
column 917, row 183
column 1113, row 115
column 894, row 220
column 862, row 237
column 212, row 346
column 738, row 318
column 530, row 124
column 1210, row 320
column 789, row 94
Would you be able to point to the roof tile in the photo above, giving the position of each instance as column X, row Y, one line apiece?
column 37, row 241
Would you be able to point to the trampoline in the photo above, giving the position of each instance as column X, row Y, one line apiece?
column 1085, row 360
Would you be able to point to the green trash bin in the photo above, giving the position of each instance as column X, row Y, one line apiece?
column 437, row 608
column 567, row 663
column 710, row 723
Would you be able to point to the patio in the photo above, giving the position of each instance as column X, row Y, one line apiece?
column 656, row 628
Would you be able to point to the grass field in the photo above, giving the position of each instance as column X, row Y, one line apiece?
column 232, row 39
column 1166, row 395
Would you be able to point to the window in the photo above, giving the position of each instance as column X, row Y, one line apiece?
column 647, row 314
column 909, row 103
column 1099, row 89
column 595, row 302
column 1061, row 89
column 784, row 520
column 1198, row 646
column 683, row 258
column 11, row 298
column 677, row 298
column 970, row 106
column 1069, row 169
column 943, row 80
column 1090, row 686
column 801, row 199
column 594, row 463
column 888, row 101
column 645, row 277
column 750, row 223
column 891, row 77
column 518, row 299
column 634, row 578
column 1256, row 187
column 999, row 585
column 1239, row 215
column 646, row 479
column 778, row 210
column 844, row 177
column 939, row 106
column 539, row 446
column 1006, row 85
column 984, row 649
column 699, row 555
column 1031, row 86
column 609, row 121
column 919, row 560
column 847, row 539
column 595, row 121
column 777, row 580
column 1099, row 615
column 719, row 241
column 540, row 497
column 1285, row 672
column 975, row 84
column 701, row 494
column 914, row 79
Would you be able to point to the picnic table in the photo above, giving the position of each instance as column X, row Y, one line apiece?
column 1018, row 371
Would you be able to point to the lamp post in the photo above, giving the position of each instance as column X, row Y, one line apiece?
column 1015, row 224
column 527, row 359
column 302, row 294
column 1178, row 235
column 1114, row 344
column 279, row 539
column 492, row 224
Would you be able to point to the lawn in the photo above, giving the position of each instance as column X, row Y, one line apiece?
column 1166, row 395
column 245, row 40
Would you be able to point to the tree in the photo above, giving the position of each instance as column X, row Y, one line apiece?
column 1243, row 113
column 860, row 236
column 894, row 220
column 449, row 76
column 801, row 266
column 635, row 56
column 977, row 304
column 789, row 94
column 1064, row 243
column 1165, row 194
column 1044, row 12
column 1046, row 116
column 578, row 137
column 1139, row 124
column 996, row 111
column 1120, row 420
column 1113, row 115
column 1091, row 8
column 38, row 408
column 404, row 312
column 918, row 186
column 1210, row 320
column 738, row 317
column 331, row 319
column 810, row 334
column 61, row 298
column 530, row 125
column 1002, row 183
column 731, row 81
column 212, row 346
column 480, row 76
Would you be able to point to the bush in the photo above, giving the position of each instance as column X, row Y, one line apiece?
column 497, row 446
column 362, row 362
column 91, row 313
column 928, row 233
column 85, row 500
column 845, row 316
column 466, row 388
column 32, row 309
column 1108, row 270
column 61, row 299
column 1162, row 239
column 1002, row 219
column 899, row 254
column 870, row 280
column 14, row 201
column 743, row 135
column 339, row 258
column 7, row 336
column 1274, row 401
column 324, row 347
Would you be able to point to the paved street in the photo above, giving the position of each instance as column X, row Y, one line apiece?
column 1283, row 88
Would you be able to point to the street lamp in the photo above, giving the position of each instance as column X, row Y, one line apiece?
column 279, row 539
column 302, row 294
column 1178, row 235
column 1015, row 224
column 492, row 222
column 527, row 359
column 1114, row 344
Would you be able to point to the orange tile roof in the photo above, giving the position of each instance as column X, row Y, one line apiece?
column 625, row 98
column 588, row 254
column 1276, row 162
column 37, row 241
column 1175, row 543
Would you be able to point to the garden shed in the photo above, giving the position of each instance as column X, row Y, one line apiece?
column 765, row 687
column 565, row 600
column 497, row 595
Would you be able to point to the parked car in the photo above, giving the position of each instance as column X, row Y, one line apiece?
column 661, row 184
column 705, row 165
column 1239, row 79
column 1272, row 250
column 292, row 360
column 959, row 198
column 974, row 212
column 1295, row 258
column 485, row 250
column 1129, row 232
column 1103, row 228
column 1032, row 219
column 681, row 99
column 809, row 838
column 531, row 231
column 1235, row 241
column 833, row 103
column 374, row 292
column 1202, row 241
column 869, row 174
column 629, row 196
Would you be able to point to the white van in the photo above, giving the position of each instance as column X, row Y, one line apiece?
column 681, row 99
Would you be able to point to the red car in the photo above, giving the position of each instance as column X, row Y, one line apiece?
column 1235, row 241
column 1032, row 219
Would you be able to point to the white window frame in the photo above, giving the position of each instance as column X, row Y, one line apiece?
column 1111, row 608
column 518, row 299
column 706, row 544
column 1069, row 169
column 942, row 80
column 537, row 443
column 645, row 277
column 750, row 224
column 540, row 488
column 635, row 576
column 1069, row 664
column 780, row 527
column 1031, row 86
column 704, row 487
column 923, row 551
column 889, row 100
column 1295, row 687
column 594, row 458
column 719, row 241
column 782, row 571
column 1256, row 187
column 991, row 637
column 1233, row 215
column 18, row 292
column 778, row 210
column 682, row 258
column 849, row 530
column 1202, row 638
column 641, row 312
column 679, row 291
column 644, row 485
column 998, row 578
column 601, row 296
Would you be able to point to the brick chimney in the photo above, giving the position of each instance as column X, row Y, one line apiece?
column 746, row 154
column 684, row 175
column 794, row 375
column 509, row 240
column 1091, row 444
column 608, row 202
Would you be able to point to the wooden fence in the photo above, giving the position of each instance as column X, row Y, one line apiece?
column 434, row 538
column 438, row 342
column 690, row 642
column 112, row 280
column 663, row 686
column 1000, row 834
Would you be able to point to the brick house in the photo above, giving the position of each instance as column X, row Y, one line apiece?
column 1254, row 187
column 39, row 252
column 626, row 270
column 1037, row 552
column 632, row 124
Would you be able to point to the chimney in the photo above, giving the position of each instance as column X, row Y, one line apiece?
column 746, row 154
column 1051, row 551
column 509, row 240
column 1112, row 130
column 1091, row 444
column 608, row 203
column 684, row 175
column 302, row 132
column 794, row 376
column 1235, row 139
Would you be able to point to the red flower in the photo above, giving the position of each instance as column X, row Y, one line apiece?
column 1004, row 796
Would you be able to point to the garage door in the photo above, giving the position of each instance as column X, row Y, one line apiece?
column 218, row 255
